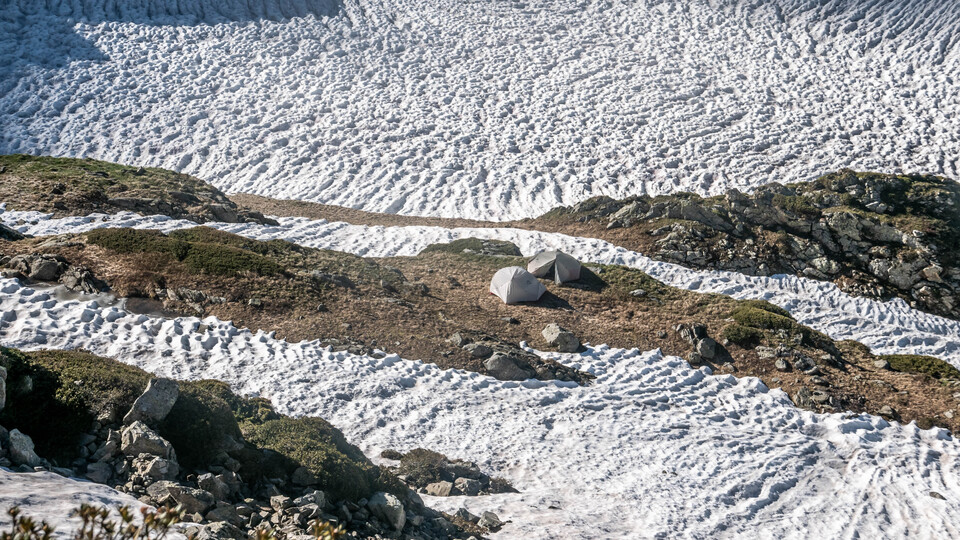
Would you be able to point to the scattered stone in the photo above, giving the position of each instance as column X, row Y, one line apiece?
column 465, row 515
column 936, row 495
column 3, row 387
column 887, row 412
column 510, row 320
column 766, row 353
column 706, row 348
column 781, row 364
column 560, row 338
column 220, row 530
column 388, row 508
column 638, row 293
column 819, row 381
column 155, row 403
column 217, row 487
column 154, row 468
column 280, row 502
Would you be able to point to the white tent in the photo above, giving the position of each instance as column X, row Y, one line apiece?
column 514, row 284
column 563, row 266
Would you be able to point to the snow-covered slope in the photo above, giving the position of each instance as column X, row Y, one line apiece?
column 484, row 109
column 887, row 327
column 653, row 449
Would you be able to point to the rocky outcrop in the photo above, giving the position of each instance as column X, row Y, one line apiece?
column 51, row 268
column 872, row 234
column 506, row 361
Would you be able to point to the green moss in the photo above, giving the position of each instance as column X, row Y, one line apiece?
column 796, row 204
column 761, row 318
column 744, row 336
column 341, row 468
column 422, row 466
column 766, row 306
column 477, row 246
column 927, row 365
column 198, row 257
column 70, row 390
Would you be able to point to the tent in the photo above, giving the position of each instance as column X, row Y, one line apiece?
column 514, row 284
column 563, row 266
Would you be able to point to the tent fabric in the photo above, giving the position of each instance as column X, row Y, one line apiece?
column 514, row 284
column 564, row 267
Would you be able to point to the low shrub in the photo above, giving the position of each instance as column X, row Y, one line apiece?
column 927, row 365
column 761, row 318
column 744, row 336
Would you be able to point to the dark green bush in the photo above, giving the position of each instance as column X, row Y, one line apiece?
column 761, row 318
column 422, row 466
column 927, row 365
column 744, row 336
column 70, row 389
column 198, row 423
column 341, row 468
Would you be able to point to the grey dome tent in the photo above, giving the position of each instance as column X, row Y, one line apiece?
column 514, row 284
column 562, row 266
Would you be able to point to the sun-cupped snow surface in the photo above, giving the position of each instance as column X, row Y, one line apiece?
column 890, row 327
column 45, row 496
column 466, row 108
column 654, row 448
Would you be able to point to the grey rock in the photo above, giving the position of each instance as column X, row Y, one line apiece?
column 155, row 403
column 781, row 364
column 138, row 439
column 280, row 502
column 478, row 350
column 315, row 497
column 388, row 508
column 638, row 293
column 20, row 447
column 936, row 495
column 765, row 353
column 226, row 513
column 888, row 412
column 465, row 515
column 490, row 521
column 803, row 363
column 99, row 472
column 44, row 269
column 560, row 338
column 220, row 530
column 440, row 489
column 505, row 368
column 467, row 486
column 881, row 364
column 155, row 468
column 217, row 487
column 707, row 348
column 3, row 387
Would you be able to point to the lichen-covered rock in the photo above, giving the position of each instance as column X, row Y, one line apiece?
column 21, row 449
column 155, row 403
column 138, row 438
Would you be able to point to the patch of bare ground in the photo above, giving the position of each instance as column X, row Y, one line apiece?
column 413, row 305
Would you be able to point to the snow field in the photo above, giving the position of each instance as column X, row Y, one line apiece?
column 653, row 449
column 464, row 108
column 886, row 327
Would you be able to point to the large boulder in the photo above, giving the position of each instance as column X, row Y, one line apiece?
column 99, row 472
column 505, row 368
column 560, row 338
column 21, row 450
column 138, row 439
column 388, row 508
column 155, row 403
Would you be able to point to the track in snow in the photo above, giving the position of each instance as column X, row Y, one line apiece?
column 470, row 108
column 653, row 448
column 887, row 327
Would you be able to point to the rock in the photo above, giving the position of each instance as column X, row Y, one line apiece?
column 225, row 513
column 154, row 403
column 505, row 368
column 707, row 348
column 388, row 508
column 765, row 353
column 303, row 477
column 3, row 387
column 881, row 364
column 45, row 269
column 194, row 501
column 803, row 363
column 694, row 358
column 99, row 472
column 440, row 489
column 781, row 364
column 81, row 280
column 220, row 530
column 936, row 495
column 280, row 502
column 638, row 293
column 490, row 521
column 478, row 350
column 465, row 515
column 6, row 233
column 138, row 439
column 467, row 486
column 819, row 381
column 155, row 468
column 560, row 338
column 21, row 449
column 217, row 487
column 315, row 497
column 887, row 412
